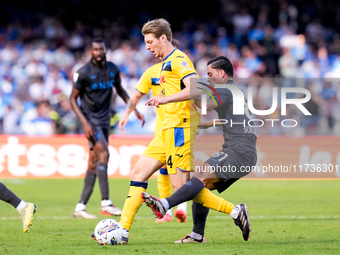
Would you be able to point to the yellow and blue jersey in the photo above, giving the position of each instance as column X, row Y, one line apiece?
column 175, row 67
column 150, row 80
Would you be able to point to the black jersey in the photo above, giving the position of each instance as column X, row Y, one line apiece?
column 95, row 85
column 240, row 137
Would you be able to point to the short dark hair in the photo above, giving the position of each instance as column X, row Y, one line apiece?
column 98, row 40
column 222, row 63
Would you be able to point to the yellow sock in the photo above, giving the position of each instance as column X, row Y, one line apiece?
column 212, row 201
column 132, row 204
column 164, row 186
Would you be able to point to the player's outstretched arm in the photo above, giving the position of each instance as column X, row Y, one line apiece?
column 189, row 92
column 122, row 93
column 87, row 128
column 210, row 123
column 186, row 94
column 131, row 106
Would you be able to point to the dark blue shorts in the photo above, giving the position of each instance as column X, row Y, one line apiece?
column 101, row 134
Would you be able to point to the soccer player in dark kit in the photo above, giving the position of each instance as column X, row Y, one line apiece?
column 93, row 84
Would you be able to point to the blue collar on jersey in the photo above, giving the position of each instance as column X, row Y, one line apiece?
column 169, row 54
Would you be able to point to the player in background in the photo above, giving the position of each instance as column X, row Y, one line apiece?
column 93, row 84
column 239, row 151
column 171, row 145
column 26, row 210
column 150, row 81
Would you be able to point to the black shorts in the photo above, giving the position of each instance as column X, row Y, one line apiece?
column 101, row 134
column 230, row 165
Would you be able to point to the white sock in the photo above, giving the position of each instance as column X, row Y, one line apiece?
column 80, row 207
column 169, row 212
column 234, row 212
column 196, row 236
column 165, row 204
column 21, row 205
column 106, row 202
column 183, row 206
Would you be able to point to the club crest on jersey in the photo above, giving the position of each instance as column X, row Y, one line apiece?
column 166, row 66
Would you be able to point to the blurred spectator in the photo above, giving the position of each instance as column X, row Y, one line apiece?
column 66, row 120
column 10, row 121
column 272, row 39
column 41, row 123
column 242, row 22
column 38, row 90
column 288, row 66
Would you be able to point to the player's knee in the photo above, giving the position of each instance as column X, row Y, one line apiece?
column 209, row 185
column 92, row 169
column 104, row 156
column 137, row 174
column 92, row 165
column 206, row 181
column 176, row 186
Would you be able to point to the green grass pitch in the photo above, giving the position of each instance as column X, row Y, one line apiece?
column 287, row 217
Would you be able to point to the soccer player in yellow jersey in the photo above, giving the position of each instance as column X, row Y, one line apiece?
column 171, row 145
column 150, row 81
column 238, row 153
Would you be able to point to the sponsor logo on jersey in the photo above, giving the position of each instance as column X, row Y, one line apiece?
column 185, row 66
column 155, row 81
column 102, row 85
column 163, row 79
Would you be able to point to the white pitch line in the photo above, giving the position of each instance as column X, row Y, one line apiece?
column 254, row 217
column 13, row 181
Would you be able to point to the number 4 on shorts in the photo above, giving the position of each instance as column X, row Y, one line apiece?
column 169, row 161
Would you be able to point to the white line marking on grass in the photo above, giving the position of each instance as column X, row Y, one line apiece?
column 13, row 181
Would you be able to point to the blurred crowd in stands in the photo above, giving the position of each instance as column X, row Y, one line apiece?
column 296, row 45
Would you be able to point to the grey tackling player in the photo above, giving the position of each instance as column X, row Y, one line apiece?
column 93, row 84
column 239, row 152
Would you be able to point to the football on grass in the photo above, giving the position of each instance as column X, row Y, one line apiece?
column 108, row 231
